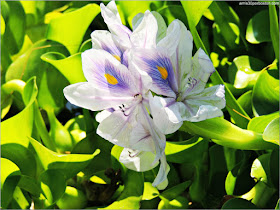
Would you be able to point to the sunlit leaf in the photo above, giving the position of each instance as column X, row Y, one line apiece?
column 175, row 191
column 150, row 192
column 21, row 156
column 274, row 29
column 179, row 202
column 271, row 132
column 266, row 93
column 259, row 124
column 258, row 29
column 10, row 176
column 19, row 200
column 74, row 24
column 23, row 121
column 2, row 25
column 244, row 71
column 172, row 12
column 185, row 151
column 70, row 67
column 72, row 199
column 69, row 164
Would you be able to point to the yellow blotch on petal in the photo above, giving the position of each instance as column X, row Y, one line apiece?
column 117, row 57
column 163, row 72
column 111, row 79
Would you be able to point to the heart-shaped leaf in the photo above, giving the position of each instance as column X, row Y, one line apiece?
column 271, row 132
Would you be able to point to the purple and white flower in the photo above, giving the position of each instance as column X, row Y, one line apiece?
column 181, row 79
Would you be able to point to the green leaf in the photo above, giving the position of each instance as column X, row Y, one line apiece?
column 72, row 199
column 70, row 28
column 226, row 134
column 69, row 164
column 266, row 93
column 245, row 100
column 15, row 27
column 244, row 71
column 6, row 102
column 132, row 194
column 172, row 12
column 261, row 169
column 175, row 191
column 30, row 185
column 179, row 202
column 150, row 192
column 195, row 10
column 70, row 67
column 274, row 29
column 258, row 29
column 23, row 121
column 2, row 25
column 53, row 184
column 19, row 200
column 10, row 176
column 271, row 132
column 238, row 203
column 21, row 156
column 258, row 124
column 185, row 151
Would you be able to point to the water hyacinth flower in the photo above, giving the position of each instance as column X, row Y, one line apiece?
column 120, row 38
column 180, row 79
column 123, row 95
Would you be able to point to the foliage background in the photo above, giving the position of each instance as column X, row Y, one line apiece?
column 51, row 156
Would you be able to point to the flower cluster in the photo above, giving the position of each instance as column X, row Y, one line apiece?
column 122, row 69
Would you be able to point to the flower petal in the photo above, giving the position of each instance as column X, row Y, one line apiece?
column 87, row 96
column 158, row 66
column 166, row 113
column 110, row 13
column 107, row 73
column 117, row 128
column 206, row 105
column 198, row 77
column 137, row 160
column 161, row 180
column 103, row 115
column 145, row 34
column 102, row 39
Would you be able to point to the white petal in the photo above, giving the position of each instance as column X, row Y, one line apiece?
column 117, row 128
column 161, row 181
column 166, row 113
column 145, row 34
column 86, row 95
column 201, row 71
column 206, row 105
column 161, row 33
column 110, row 13
column 137, row 160
column 137, row 20
column 102, row 115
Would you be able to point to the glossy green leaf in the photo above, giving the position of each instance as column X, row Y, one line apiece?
column 70, row 67
column 19, row 200
column 274, row 29
column 238, row 203
column 59, row 134
column 175, row 191
column 266, row 93
column 226, row 134
column 179, row 202
column 260, row 168
column 6, row 102
column 194, row 10
column 258, row 124
column 172, row 12
column 271, row 132
column 185, row 151
column 30, row 185
column 16, row 19
column 70, row 28
column 245, row 100
column 21, row 156
column 132, row 194
column 277, row 205
column 72, row 199
column 244, row 71
column 150, row 192
column 10, row 176
column 23, row 121
column 2, row 25
column 53, row 184
column 258, row 29
column 69, row 164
